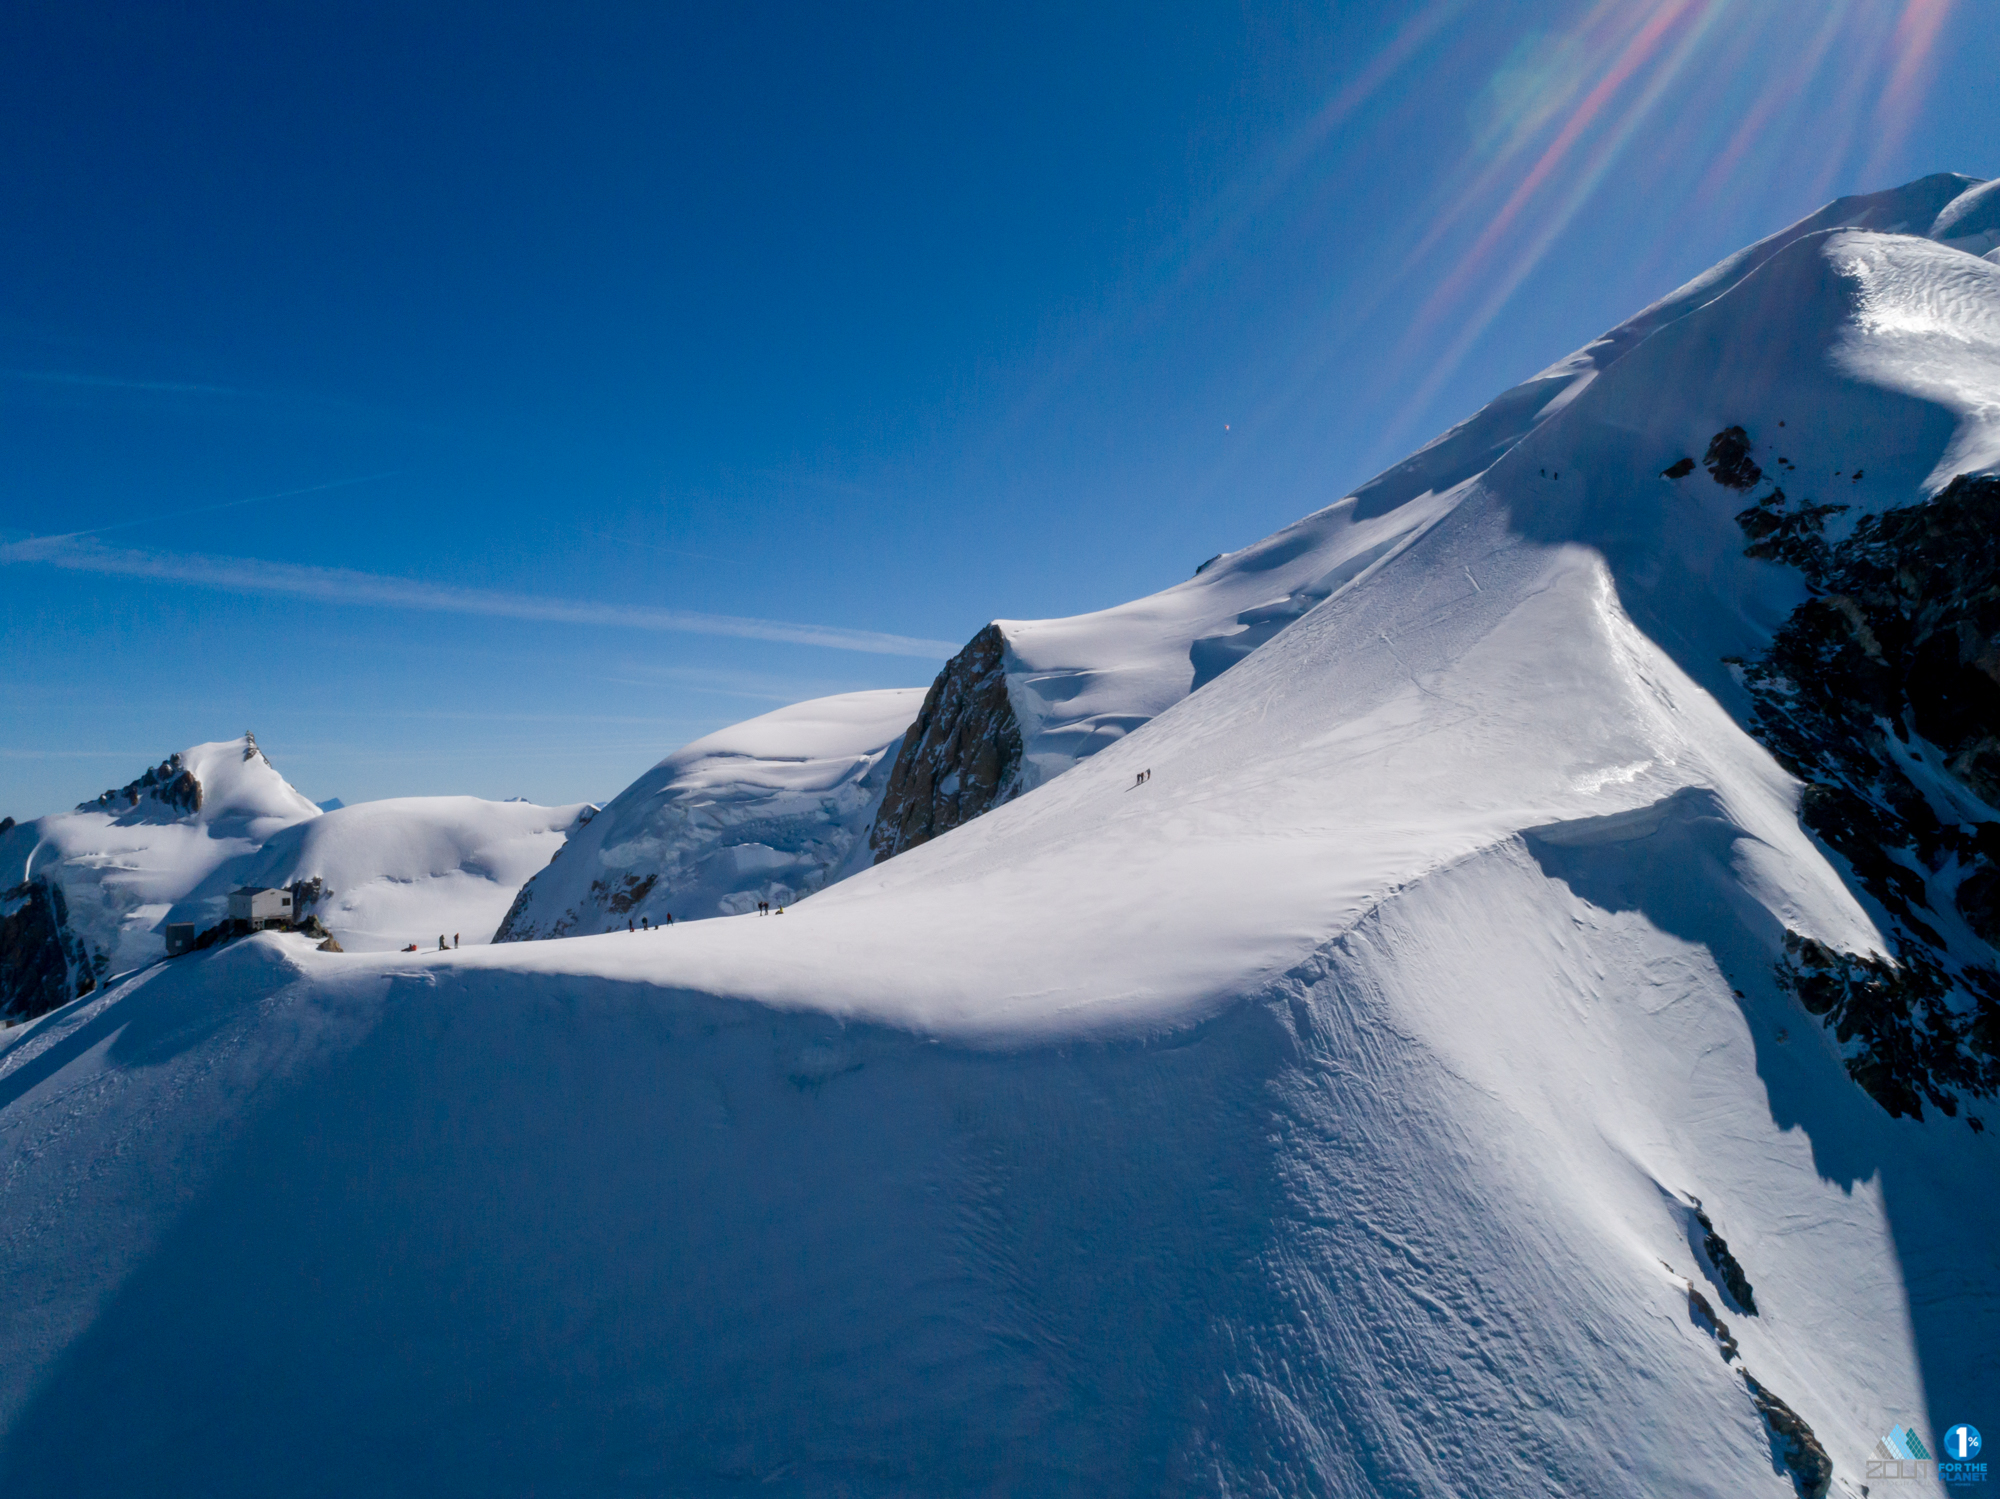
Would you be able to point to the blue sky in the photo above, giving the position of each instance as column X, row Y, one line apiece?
column 492, row 398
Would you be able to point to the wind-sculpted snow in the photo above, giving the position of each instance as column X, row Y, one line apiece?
column 1396, row 1093
column 768, row 810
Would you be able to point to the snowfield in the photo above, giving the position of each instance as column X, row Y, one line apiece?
column 1347, row 1109
column 411, row 868
column 771, row 809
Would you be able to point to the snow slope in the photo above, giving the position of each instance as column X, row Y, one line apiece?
column 1328, row 1114
column 1080, row 683
column 770, row 809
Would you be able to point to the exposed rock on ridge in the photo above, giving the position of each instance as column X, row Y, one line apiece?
column 43, row 963
column 1882, row 693
column 170, row 783
column 1793, row 1442
column 960, row 758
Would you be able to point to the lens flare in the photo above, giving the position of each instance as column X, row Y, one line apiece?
column 1915, row 42
column 1725, row 101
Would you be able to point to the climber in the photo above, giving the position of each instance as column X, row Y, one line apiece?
column 454, row 940
column 440, row 941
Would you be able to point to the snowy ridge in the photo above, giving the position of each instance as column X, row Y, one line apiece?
column 1393, row 1095
column 1080, row 683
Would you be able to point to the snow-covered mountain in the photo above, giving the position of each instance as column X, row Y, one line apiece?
column 1529, row 1034
column 88, row 893
column 1028, row 699
column 768, row 810
column 1076, row 685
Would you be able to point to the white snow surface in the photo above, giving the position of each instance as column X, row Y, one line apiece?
column 1081, row 683
column 771, row 809
column 397, row 871
column 1322, row 1116
column 411, row 868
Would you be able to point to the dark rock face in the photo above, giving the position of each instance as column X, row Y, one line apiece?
column 1728, row 459
column 1726, row 1267
column 170, row 783
column 306, row 894
column 620, row 897
column 1793, row 1442
column 1680, row 468
column 508, row 931
column 1705, row 1318
column 960, row 758
column 1882, row 694
column 39, row 954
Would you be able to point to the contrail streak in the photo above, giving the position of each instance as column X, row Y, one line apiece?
column 339, row 585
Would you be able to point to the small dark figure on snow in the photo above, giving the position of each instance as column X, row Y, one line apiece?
column 440, row 941
column 628, row 925
column 670, row 918
column 643, row 924
column 454, row 939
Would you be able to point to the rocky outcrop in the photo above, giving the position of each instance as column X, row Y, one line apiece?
column 1728, row 459
column 1704, row 1317
column 1882, row 693
column 42, row 963
column 1793, row 1442
column 170, row 783
column 1727, row 1268
column 960, row 758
